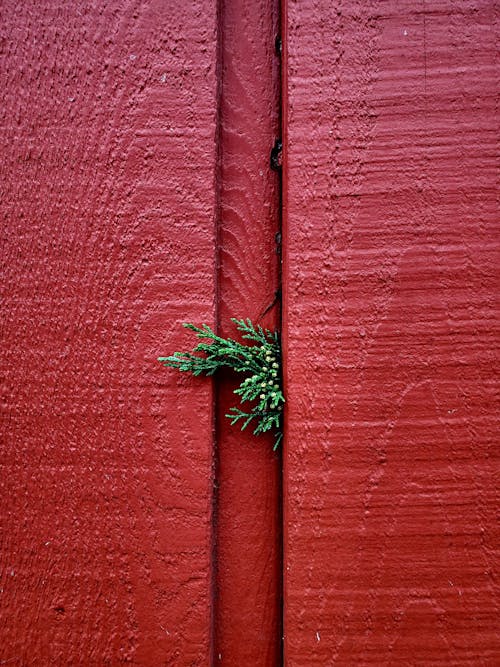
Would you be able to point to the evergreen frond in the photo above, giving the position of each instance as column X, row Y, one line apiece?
column 261, row 364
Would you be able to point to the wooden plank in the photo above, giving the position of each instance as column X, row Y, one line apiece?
column 248, row 607
column 391, row 333
column 108, row 201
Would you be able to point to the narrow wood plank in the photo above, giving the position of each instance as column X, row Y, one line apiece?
column 248, row 606
column 391, row 333
column 108, row 132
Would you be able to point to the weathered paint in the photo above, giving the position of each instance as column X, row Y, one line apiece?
column 391, row 336
column 248, row 603
column 108, row 170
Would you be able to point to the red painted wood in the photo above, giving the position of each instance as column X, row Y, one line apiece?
column 108, row 129
column 391, row 333
column 248, row 604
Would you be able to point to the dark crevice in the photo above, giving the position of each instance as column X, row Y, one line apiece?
column 277, row 164
column 216, row 381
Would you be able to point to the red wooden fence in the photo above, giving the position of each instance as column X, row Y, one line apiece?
column 136, row 194
column 109, row 123
column 247, row 573
column 391, row 336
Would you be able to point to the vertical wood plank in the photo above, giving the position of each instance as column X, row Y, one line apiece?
column 391, row 333
column 248, row 606
column 108, row 132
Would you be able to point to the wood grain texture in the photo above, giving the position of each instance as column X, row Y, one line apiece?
column 391, row 333
column 248, row 533
column 108, row 129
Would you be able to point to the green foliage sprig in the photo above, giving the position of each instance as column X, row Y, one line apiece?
column 261, row 363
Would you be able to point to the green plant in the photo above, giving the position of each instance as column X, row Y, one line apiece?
column 260, row 362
